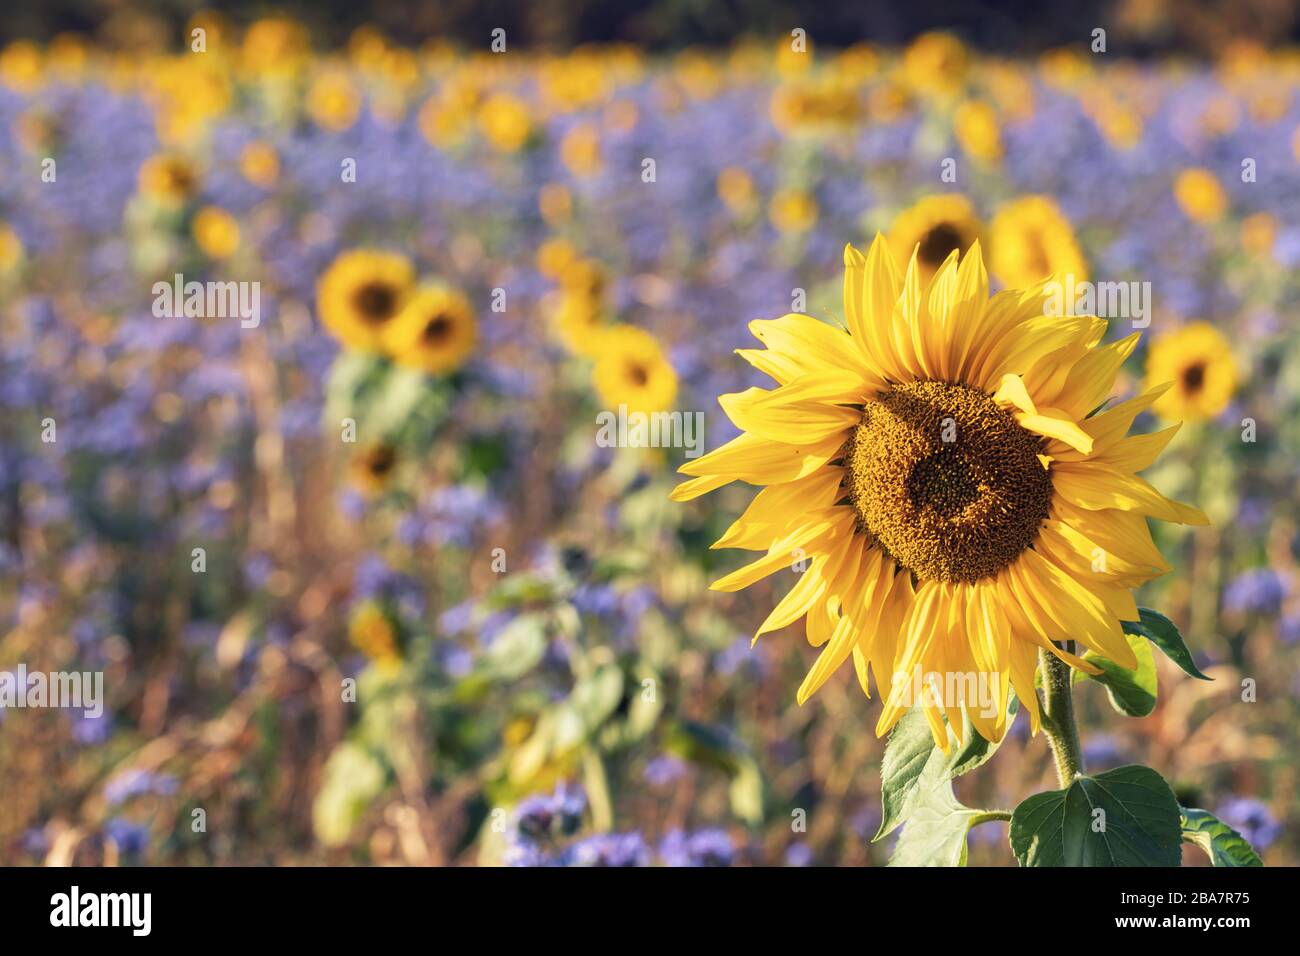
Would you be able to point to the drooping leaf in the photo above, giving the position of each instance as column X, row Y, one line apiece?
column 1221, row 843
column 1161, row 632
column 1124, row 817
column 911, row 752
column 1131, row 692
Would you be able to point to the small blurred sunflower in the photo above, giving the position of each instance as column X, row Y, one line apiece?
column 736, row 189
column 632, row 370
column 260, row 163
column 435, row 331
column 578, row 323
column 936, row 63
column 11, row 248
column 1030, row 239
column 793, row 211
column 1197, row 359
column 505, row 122
column 581, row 152
column 168, row 179
column 938, row 225
column 373, row 633
column 1200, row 196
column 938, row 465
column 216, row 232
column 373, row 467
column 334, row 101
column 361, row 292
column 975, row 124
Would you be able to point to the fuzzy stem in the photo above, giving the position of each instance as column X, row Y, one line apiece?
column 1058, row 718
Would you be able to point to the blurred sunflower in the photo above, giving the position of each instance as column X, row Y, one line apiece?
column 260, row 163
column 578, row 323
column 1197, row 359
column 505, row 122
column 11, row 248
column 1030, row 239
column 1200, row 196
column 938, row 225
column 361, row 292
column 334, row 101
column 216, row 232
column 632, row 370
column 373, row 633
column 580, row 151
column 168, row 179
column 936, row 63
column 793, row 210
column 373, row 467
column 975, row 124
column 736, row 189
column 435, row 331
column 937, row 465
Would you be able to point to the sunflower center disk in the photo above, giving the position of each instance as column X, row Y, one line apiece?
column 947, row 481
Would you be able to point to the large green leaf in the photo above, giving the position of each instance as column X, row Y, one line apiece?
column 911, row 752
column 1124, row 817
column 1160, row 631
column 1131, row 692
column 935, row 831
column 1221, row 843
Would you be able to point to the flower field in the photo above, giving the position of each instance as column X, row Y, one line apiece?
column 326, row 388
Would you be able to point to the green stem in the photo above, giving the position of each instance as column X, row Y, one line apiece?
column 988, row 816
column 597, row 786
column 1058, row 717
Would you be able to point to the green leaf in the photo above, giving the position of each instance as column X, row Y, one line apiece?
column 352, row 382
column 1131, row 692
column 597, row 696
column 1160, row 631
column 352, row 778
column 911, row 752
column 1138, row 823
column 935, row 832
column 746, row 793
column 519, row 647
column 1221, row 843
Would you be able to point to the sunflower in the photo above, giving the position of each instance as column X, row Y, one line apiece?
column 938, row 467
column 792, row 210
column 373, row 633
column 1030, row 238
column 260, row 163
column 11, row 248
column 578, row 323
column 434, row 332
column 1198, row 360
column 361, row 292
column 975, row 124
column 169, row 180
column 936, row 63
column 632, row 370
column 938, row 224
column 216, row 232
column 334, row 102
column 505, row 122
column 1200, row 196
column 373, row 467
